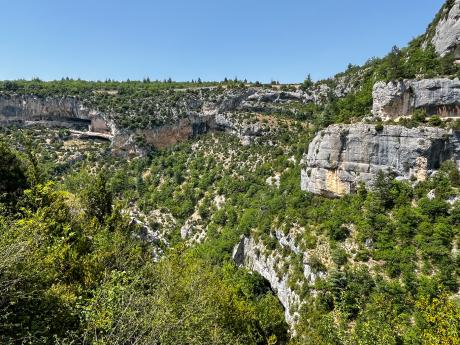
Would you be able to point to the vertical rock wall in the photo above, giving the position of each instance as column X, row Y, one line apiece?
column 342, row 156
column 440, row 96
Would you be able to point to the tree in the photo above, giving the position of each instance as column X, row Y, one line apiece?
column 98, row 198
column 185, row 301
column 12, row 172
column 439, row 319
column 10, row 85
column 395, row 64
column 307, row 82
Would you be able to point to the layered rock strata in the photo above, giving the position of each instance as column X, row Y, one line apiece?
column 439, row 96
column 52, row 112
column 192, row 114
column 342, row 156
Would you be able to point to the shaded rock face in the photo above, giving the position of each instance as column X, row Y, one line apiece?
column 400, row 98
column 52, row 112
column 342, row 156
column 133, row 143
column 447, row 32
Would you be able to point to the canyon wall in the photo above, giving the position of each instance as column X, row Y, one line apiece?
column 191, row 113
column 446, row 33
column 342, row 156
column 52, row 112
column 440, row 96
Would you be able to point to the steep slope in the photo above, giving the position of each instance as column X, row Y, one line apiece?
column 173, row 256
column 444, row 32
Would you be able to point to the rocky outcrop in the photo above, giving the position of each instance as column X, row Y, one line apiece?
column 157, row 237
column 342, row 156
column 446, row 31
column 247, row 253
column 439, row 96
column 339, row 86
column 254, row 256
column 137, row 142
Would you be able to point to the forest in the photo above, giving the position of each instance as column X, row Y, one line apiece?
column 77, row 269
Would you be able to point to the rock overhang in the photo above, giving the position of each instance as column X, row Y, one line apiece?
column 399, row 98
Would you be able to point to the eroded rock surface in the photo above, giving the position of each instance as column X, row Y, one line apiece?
column 253, row 255
column 439, row 96
column 248, row 253
column 51, row 112
column 447, row 31
column 341, row 156
column 190, row 113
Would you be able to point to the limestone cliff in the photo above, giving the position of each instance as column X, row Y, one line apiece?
column 444, row 32
column 440, row 96
column 189, row 113
column 254, row 256
column 249, row 254
column 51, row 111
column 341, row 156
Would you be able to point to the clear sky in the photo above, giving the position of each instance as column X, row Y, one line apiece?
column 185, row 39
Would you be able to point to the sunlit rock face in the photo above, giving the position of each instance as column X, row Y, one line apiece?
column 248, row 253
column 447, row 32
column 440, row 96
column 253, row 255
column 342, row 156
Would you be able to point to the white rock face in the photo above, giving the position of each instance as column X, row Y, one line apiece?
column 248, row 253
column 447, row 34
column 439, row 96
column 341, row 156
column 253, row 255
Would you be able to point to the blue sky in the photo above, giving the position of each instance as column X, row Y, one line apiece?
column 212, row 39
